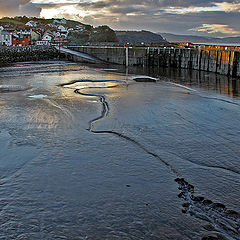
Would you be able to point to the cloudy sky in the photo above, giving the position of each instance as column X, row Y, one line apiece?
column 206, row 17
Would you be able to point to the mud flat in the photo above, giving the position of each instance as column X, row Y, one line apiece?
column 90, row 153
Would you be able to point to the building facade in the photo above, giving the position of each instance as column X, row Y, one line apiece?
column 21, row 39
column 6, row 38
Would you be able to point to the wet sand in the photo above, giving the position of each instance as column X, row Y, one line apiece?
column 90, row 153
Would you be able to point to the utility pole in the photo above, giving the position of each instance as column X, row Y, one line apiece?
column 126, row 46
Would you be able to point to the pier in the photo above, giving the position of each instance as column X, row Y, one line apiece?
column 219, row 60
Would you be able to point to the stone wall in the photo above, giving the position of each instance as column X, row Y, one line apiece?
column 137, row 56
column 27, row 53
column 220, row 61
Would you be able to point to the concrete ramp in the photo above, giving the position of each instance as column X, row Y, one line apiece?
column 78, row 56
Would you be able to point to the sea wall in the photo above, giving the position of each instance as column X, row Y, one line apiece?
column 136, row 56
column 27, row 53
column 217, row 60
column 225, row 62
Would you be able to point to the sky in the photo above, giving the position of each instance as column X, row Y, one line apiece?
column 213, row 18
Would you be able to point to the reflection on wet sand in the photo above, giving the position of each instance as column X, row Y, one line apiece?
column 197, row 79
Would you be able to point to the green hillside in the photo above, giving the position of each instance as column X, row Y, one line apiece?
column 10, row 21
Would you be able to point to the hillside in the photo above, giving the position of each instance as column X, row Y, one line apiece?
column 139, row 37
column 77, row 32
column 199, row 39
column 93, row 35
column 10, row 21
column 41, row 21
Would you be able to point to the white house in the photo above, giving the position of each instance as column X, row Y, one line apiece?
column 61, row 28
column 6, row 38
column 31, row 24
column 47, row 36
column 61, row 34
column 60, row 21
column 52, row 25
column 56, row 21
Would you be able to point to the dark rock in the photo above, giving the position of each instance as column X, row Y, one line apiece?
column 184, row 210
column 186, row 204
column 207, row 202
column 218, row 205
column 197, row 198
column 232, row 212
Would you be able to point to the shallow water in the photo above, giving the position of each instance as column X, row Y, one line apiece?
column 88, row 153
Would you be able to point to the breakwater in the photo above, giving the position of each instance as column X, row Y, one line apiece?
column 27, row 53
column 218, row 60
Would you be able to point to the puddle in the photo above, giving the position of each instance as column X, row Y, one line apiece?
column 40, row 96
column 12, row 88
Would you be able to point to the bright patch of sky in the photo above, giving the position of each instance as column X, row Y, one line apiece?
column 62, row 11
column 222, row 7
column 216, row 28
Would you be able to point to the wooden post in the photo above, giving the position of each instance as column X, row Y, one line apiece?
column 229, row 63
column 200, row 60
column 216, row 69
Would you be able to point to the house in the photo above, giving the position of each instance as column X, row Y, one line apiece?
column 52, row 25
column 35, row 35
column 48, row 36
column 31, row 24
column 60, row 21
column 56, row 21
column 61, row 34
column 1, row 29
column 21, row 39
column 62, row 29
column 6, row 38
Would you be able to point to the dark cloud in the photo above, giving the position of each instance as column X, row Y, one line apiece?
column 153, row 15
column 153, row 4
column 18, row 7
column 30, row 9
